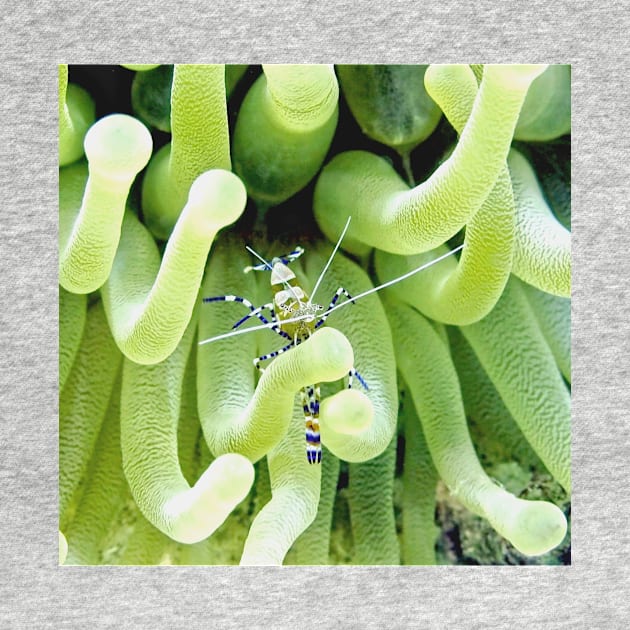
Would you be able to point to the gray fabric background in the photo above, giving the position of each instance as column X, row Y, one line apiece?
column 36, row 593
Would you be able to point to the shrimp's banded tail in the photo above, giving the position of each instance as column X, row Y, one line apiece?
column 310, row 404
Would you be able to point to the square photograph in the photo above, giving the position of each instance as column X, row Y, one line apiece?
column 314, row 314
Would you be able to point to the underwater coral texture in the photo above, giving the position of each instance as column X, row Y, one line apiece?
column 452, row 444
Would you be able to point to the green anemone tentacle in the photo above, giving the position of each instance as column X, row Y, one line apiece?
column 200, row 142
column 91, row 206
column 370, row 497
column 105, row 495
column 83, row 404
column 530, row 384
column 533, row 527
column 295, row 488
column 345, row 418
column 542, row 253
column 72, row 314
column 284, row 129
column 420, row 478
column 387, row 215
column 76, row 114
column 466, row 292
column 553, row 314
column 313, row 545
column 496, row 435
column 150, row 457
column 149, row 301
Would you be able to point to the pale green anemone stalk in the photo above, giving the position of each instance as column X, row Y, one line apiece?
column 200, row 142
column 91, row 206
column 533, row 527
column 140, row 67
column 83, row 404
column 542, row 253
column 72, row 314
column 295, row 490
column 150, row 411
column 284, row 129
column 530, row 384
column 420, row 478
column 553, row 314
column 63, row 548
column 76, row 114
column 149, row 301
column 387, row 215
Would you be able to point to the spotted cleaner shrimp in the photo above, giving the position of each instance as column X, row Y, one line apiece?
column 295, row 317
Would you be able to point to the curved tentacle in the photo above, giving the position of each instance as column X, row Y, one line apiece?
column 542, row 253
column 149, row 304
column 530, row 384
column 347, row 427
column 91, row 206
column 533, row 527
column 200, row 142
column 387, row 215
column 284, row 129
column 295, row 489
column 150, row 457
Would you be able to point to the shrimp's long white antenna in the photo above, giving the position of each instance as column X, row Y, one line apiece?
column 395, row 280
column 389, row 283
column 325, row 269
column 251, row 251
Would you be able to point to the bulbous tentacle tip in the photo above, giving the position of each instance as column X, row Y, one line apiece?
column 222, row 192
column 349, row 412
column 229, row 478
column 540, row 526
column 199, row 511
column 118, row 146
column 333, row 352
column 63, row 548
column 517, row 76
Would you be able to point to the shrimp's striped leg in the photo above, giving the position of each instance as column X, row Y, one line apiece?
column 351, row 374
column 310, row 404
column 271, row 355
column 324, row 317
column 257, row 312
column 251, row 307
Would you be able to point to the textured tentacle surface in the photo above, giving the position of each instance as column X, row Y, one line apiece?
column 542, row 255
column 370, row 496
column 72, row 314
column 530, row 384
column 295, row 487
column 91, row 205
column 148, row 310
column 150, row 457
column 82, row 407
column 389, row 216
column 420, row 478
column 553, row 314
column 533, row 527
column 200, row 142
